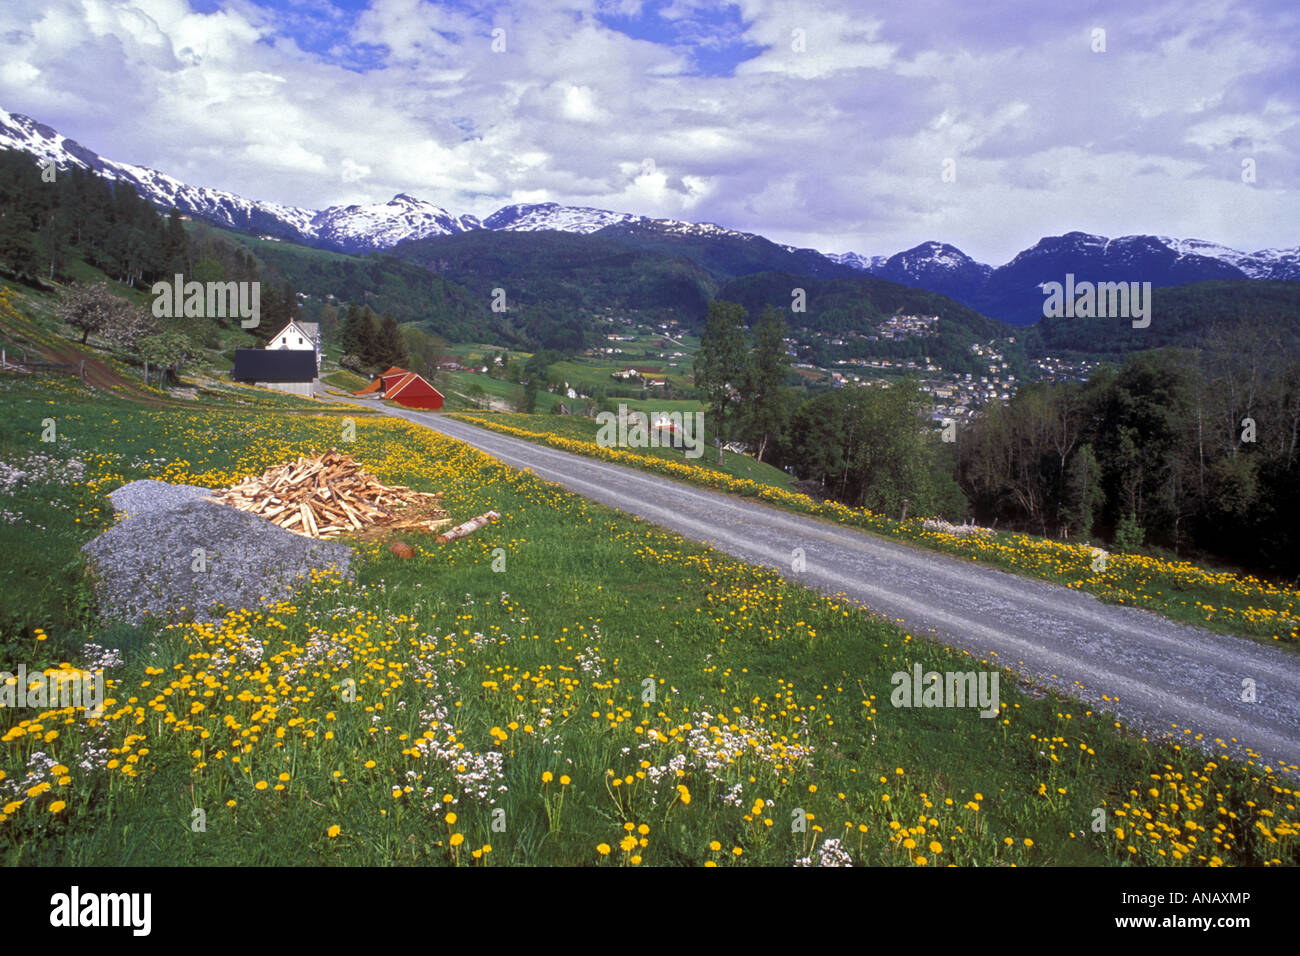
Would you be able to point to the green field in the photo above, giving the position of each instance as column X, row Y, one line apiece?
column 607, row 694
column 346, row 380
column 459, row 390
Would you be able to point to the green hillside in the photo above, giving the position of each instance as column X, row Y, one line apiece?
column 1181, row 316
column 388, row 285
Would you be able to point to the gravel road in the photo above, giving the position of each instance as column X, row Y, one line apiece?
column 1160, row 676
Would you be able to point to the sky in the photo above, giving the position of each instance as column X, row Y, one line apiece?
column 839, row 126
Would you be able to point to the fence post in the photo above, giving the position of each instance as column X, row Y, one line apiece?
column 83, row 371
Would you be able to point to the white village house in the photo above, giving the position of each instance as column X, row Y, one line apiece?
column 299, row 335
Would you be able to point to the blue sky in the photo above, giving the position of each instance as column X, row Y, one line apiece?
column 815, row 122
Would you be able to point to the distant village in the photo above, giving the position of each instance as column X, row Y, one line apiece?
column 954, row 396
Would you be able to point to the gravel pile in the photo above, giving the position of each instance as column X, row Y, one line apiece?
column 144, row 497
column 146, row 563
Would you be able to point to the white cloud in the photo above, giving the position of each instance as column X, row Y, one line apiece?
column 839, row 146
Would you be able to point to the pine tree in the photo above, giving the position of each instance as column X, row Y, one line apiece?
column 368, row 341
column 176, row 246
column 52, row 242
column 390, row 347
column 17, row 253
column 350, row 334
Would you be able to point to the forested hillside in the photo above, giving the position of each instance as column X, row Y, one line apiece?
column 1197, row 451
column 1180, row 316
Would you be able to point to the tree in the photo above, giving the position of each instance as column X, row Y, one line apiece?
column 390, row 349
column 329, row 322
column 350, row 334
column 279, row 307
column 367, row 350
column 176, row 246
column 51, row 242
column 424, row 352
column 764, row 409
column 16, row 249
column 167, row 350
column 130, row 327
column 90, row 308
column 888, row 461
column 1128, row 533
column 872, row 448
column 528, row 404
column 1083, row 493
column 721, row 366
column 208, row 269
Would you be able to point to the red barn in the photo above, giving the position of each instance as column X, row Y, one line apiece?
column 406, row 388
column 413, row 391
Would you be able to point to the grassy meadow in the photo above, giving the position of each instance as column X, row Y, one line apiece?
column 568, row 686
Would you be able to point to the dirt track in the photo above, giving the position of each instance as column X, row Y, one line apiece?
column 99, row 374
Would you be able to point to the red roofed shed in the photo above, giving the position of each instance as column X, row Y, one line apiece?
column 413, row 391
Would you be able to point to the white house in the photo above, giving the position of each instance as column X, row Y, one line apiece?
column 298, row 335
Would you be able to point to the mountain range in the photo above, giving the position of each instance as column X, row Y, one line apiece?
column 1010, row 292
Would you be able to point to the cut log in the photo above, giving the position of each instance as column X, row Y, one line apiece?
column 469, row 527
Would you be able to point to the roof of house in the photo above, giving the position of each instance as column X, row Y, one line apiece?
column 414, row 391
column 274, row 365
column 310, row 329
column 410, row 382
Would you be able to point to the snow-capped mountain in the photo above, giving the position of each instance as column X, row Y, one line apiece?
column 384, row 225
column 1011, row 292
column 534, row 217
column 352, row 228
column 936, row 266
column 856, row 261
column 214, row 205
column 1264, row 264
column 358, row 228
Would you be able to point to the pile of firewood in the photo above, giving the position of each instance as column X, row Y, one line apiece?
column 330, row 495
